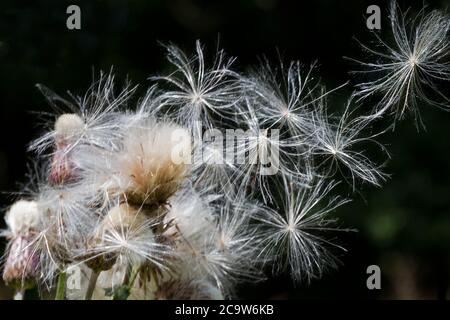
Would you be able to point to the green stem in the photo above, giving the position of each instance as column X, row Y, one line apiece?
column 134, row 274
column 92, row 284
column 123, row 291
column 61, row 286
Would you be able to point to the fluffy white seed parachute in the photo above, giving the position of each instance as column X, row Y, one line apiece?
column 412, row 68
column 337, row 143
column 197, row 94
column 294, row 237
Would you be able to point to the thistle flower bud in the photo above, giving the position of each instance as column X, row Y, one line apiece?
column 61, row 168
column 20, row 269
column 23, row 218
column 67, row 127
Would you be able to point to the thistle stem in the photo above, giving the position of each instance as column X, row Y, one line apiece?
column 124, row 291
column 134, row 274
column 19, row 294
column 61, row 286
column 92, row 283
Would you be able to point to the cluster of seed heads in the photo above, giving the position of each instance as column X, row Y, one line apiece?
column 109, row 198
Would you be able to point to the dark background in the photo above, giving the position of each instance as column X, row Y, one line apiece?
column 404, row 227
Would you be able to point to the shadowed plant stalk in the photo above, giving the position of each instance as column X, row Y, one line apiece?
column 61, row 286
column 91, row 285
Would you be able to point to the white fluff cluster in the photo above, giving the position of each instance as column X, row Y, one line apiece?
column 213, row 178
column 22, row 218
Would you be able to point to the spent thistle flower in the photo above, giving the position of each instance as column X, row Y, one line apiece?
column 126, row 233
column 152, row 163
column 21, row 265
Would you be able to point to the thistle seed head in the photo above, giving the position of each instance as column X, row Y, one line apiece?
column 146, row 170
